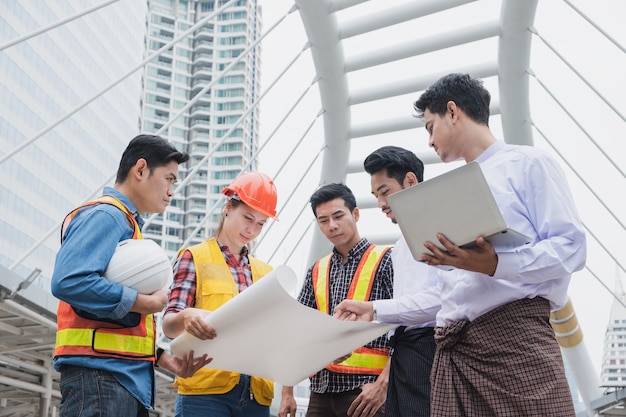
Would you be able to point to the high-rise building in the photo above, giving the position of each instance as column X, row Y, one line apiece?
column 200, row 94
column 614, row 357
column 69, row 103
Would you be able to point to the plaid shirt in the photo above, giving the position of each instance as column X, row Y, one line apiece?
column 341, row 276
column 183, row 288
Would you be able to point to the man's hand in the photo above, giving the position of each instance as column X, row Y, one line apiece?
column 354, row 310
column 483, row 258
column 185, row 367
column 288, row 404
column 151, row 303
column 371, row 398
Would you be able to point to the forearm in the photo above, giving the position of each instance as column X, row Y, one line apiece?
column 546, row 260
column 287, row 391
column 413, row 309
column 383, row 379
column 147, row 304
column 173, row 323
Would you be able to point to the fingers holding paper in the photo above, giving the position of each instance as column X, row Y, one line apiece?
column 194, row 323
column 481, row 258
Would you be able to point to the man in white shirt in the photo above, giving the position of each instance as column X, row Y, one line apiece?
column 496, row 351
column 416, row 288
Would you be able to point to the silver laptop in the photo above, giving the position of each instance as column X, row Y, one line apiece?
column 458, row 204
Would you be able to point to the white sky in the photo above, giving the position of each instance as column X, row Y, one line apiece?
column 594, row 57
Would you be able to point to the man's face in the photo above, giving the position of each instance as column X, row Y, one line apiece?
column 338, row 224
column 382, row 187
column 440, row 135
column 157, row 188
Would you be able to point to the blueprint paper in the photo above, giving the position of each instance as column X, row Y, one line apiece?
column 265, row 332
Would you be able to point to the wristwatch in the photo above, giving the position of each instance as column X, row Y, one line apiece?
column 159, row 352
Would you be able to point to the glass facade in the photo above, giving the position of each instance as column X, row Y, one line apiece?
column 64, row 117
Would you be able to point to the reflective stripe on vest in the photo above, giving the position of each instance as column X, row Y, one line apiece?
column 364, row 360
column 81, row 336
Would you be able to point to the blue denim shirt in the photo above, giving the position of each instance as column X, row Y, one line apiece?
column 88, row 244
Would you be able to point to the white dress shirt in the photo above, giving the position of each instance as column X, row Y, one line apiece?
column 416, row 291
column 533, row 195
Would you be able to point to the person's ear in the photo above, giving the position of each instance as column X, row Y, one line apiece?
column 356, row 214
column 451, row 106
column 140, row 169
column 410, row 179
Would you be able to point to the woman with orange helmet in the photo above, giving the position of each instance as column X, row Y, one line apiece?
column 206, row 276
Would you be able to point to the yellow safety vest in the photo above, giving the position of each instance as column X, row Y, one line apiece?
column 79, row 336
column 214, row 287
column 363, row 360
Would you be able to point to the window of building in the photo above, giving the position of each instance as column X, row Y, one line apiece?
column 207, row 6
column 238, row 27
column 227, row 160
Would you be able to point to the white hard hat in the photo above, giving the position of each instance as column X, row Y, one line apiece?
column 140, row 264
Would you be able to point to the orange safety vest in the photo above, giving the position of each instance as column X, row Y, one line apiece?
column 214, row 287
column 84, row 337
column 363, row 360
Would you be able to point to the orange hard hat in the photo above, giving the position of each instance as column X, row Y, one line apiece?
column 255, row 189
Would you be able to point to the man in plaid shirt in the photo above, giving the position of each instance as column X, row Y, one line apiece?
column 355, row 386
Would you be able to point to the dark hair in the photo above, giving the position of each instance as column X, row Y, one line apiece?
column 396, row 161
column 468, row 93
column 329, row 192
column 154, row 149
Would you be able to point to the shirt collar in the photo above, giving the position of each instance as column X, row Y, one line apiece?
column 126, row 201
column 491, row 150
column 225, row 248
column 357, row 250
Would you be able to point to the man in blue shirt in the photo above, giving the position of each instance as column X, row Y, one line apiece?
column 105, row 348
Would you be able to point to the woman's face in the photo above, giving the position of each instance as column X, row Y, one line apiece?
column 242, row 224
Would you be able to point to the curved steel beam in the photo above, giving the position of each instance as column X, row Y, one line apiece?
column 516, row 19
column 322, row 30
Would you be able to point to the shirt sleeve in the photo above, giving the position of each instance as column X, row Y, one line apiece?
column 413, row 309
column 559, row 248
column 307, row 294
column 89, row 243
column 183, row 288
